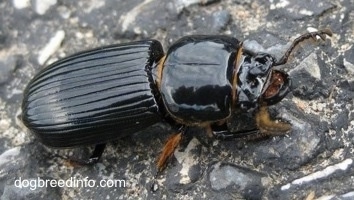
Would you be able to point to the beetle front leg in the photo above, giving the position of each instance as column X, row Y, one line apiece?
column 268, row 126
column 265, row 127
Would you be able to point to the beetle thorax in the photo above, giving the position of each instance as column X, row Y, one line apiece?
column 197, row 76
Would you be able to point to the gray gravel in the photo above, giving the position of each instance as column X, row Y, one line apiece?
column 314, row 160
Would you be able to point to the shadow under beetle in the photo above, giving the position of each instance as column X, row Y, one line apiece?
column 107, row 93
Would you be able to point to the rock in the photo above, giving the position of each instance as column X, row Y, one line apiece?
column 9, row 160
column 347, row 196
column 300, row 9
column 28, row 189
column 220, row 19
column 51, row 47
column 238, row 179
column 21, row 4
column 349, row 66
column 179, row 5
column 295, row 149
column 320, row 181
column 188, row 169
column 307, row 81
column 341, row 121
column 4, row 35
column 8, row 66
column 349, row 55
column 42, row 6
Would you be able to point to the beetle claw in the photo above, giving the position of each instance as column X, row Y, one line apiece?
column 269, row 127
column 323, row 37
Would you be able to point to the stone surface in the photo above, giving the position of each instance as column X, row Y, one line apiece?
column 12, row 192
column 52, row 46
column 242, row 180
column 318, row 151
column 300, row 9
column 307, row 81
column 42, row 6
column 6, row 68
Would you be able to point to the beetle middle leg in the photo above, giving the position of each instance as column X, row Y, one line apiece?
column 223, row 133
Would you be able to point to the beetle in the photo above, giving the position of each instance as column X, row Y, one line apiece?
column 107, row 93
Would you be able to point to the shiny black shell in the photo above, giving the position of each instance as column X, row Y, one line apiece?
column 94, row 96
column 197, row 75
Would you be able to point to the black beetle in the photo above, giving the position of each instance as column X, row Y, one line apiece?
column 103, row 94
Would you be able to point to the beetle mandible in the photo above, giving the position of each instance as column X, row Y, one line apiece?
column 107, row 93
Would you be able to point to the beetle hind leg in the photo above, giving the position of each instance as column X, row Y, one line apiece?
column 270, row 127
column 172, row 143
column 94, row 158
column 96, row 154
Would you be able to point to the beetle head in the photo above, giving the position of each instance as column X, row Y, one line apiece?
column 259, row 83
column 253, row 78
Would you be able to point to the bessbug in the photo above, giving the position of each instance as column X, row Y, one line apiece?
column 107, row 93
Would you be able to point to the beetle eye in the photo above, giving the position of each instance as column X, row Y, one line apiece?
column 253, row 82
column 264, row 58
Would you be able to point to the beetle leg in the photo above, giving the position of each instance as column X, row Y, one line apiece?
column 96, row 154
column 94, row 158
column 222, row 133
column 227, row 135
column 172, row 142
column 270, row 127
column 265, row 127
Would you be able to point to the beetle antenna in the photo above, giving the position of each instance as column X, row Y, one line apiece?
column 321, row 33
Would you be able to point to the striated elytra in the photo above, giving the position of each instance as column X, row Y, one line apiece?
column 94, row 96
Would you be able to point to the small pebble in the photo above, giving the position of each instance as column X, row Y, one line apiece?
column 42, row 6
column 21, row 4
column 51, row 47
